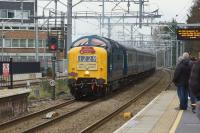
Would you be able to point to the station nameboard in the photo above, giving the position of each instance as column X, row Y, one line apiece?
column 188, row 34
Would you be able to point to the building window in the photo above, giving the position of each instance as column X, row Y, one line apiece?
column 31, row 43
column 26, row 14
column 18, row 14
column 44, row 43
column 3, row 13
column 23, row 43
column 15, row 14
column 40, row 43
column 41, row 58
column 23, row 58
column 15, row 43
column 21, row 14
column 1, row 42
column 31, row 58
column 15, row 58
column 11, row 14
column 8, row 43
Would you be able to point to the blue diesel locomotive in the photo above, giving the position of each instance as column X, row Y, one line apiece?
column 97, row 65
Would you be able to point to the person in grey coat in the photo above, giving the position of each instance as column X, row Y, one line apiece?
column 181, row 79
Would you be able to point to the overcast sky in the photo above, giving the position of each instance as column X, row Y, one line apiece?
column 173, row 8
column 169, row 9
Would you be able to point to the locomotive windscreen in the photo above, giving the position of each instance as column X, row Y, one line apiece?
column 89, row 41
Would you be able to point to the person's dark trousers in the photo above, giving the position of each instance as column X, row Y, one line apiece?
column 192, row 98
column 183, row 97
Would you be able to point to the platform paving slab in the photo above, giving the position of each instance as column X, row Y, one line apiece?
column 146, row 120
column 189, row 123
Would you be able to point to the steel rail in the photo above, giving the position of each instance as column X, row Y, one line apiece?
column 29, row 116
column 102, row 121
column 59, row 118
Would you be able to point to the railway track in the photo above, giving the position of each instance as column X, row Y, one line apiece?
column 62, row 116
column 32, row 115
column 104, row 120
column 48, row 122
column 59, row 118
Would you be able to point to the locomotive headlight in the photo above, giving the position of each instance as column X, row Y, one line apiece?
column 87, row 73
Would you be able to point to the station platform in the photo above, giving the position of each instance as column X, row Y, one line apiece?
column 162, row 116
column 13, row 102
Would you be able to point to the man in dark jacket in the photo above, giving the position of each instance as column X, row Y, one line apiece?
column 194, row 83
column 181, row 80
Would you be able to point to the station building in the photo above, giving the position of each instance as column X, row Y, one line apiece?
column 18, row 33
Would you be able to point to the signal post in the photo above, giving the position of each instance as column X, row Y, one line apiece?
column 53, row 46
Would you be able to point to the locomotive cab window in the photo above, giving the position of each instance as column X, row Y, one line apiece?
column 97, row 42
column 81, row 42
column 89, row 42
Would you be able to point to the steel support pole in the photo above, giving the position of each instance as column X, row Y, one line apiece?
column 177, row 50
column 164, row 56
column 109, row 28
column 171, row 53
column 69, row 24
column 100, row 28
column 2, row 41
column 156, row 59
column 36, row 31
column 21, row 7
column 181, row 48
column 103, row 12
column 123, row 29
column 53, row 59
column 140, row 13
column 132, row 35
column 11, row 73
column 55, row 14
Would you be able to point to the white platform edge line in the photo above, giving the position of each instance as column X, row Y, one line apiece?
column 139, row 113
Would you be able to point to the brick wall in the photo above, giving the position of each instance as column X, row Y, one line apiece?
column 23, row 34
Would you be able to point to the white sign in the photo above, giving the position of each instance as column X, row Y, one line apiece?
column 52, row 82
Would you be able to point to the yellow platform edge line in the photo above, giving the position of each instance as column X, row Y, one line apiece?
column 176, row 123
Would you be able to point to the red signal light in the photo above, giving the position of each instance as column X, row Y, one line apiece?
column 53, row 43
column 53, row 47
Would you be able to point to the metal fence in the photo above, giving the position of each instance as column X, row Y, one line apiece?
column 8, row 68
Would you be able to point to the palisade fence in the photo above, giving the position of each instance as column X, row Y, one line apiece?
column 8, row 67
